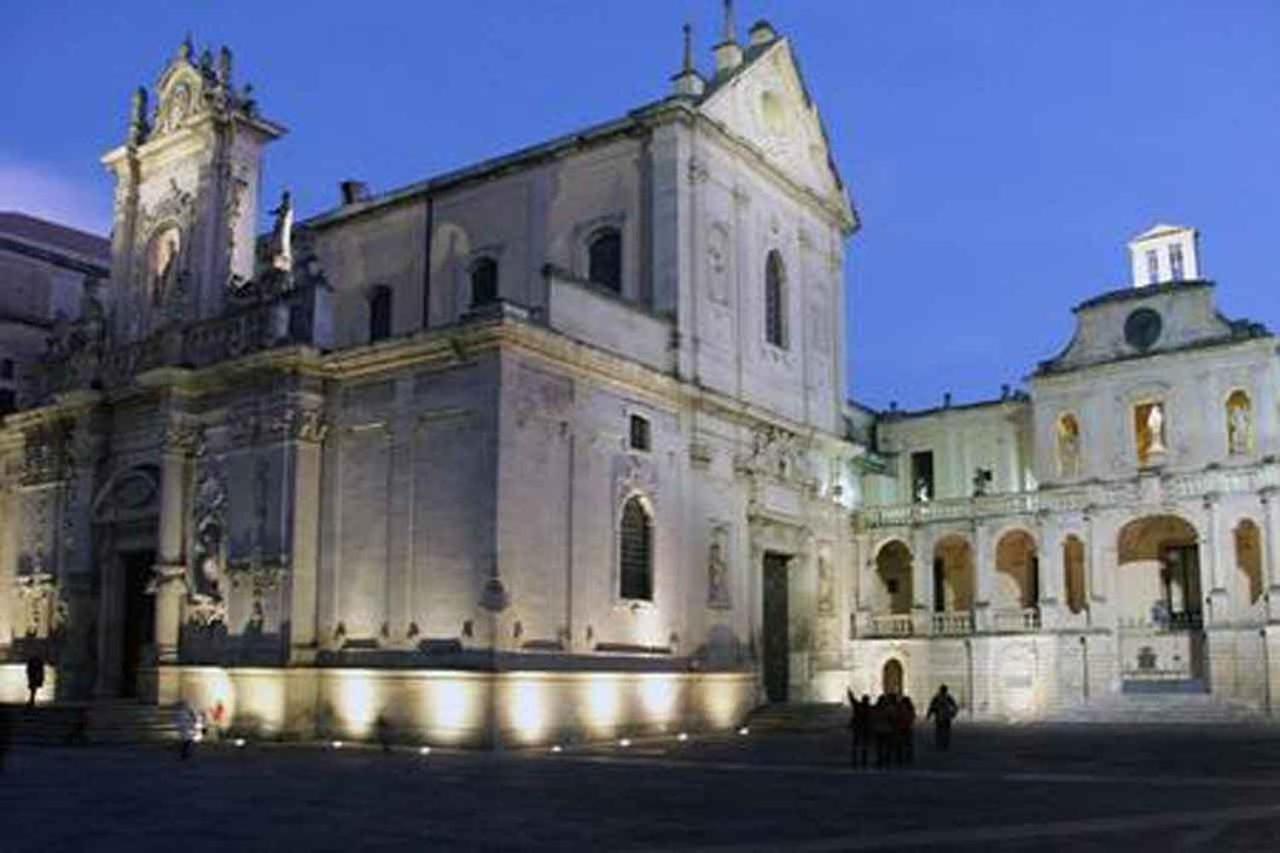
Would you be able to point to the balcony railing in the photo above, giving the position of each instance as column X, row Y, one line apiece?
column 951, row 624
column 891, row 625
column 1010, row 621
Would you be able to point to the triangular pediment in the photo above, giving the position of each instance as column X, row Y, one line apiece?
column 765, row 103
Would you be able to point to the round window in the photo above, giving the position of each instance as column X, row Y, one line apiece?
column 1142, row 328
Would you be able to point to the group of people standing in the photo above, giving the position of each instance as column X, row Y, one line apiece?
column 888, row 725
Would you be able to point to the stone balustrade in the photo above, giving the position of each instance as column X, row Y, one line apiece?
column 1074, row 498
column 890, row 625
column 951, row 623
column 1025, row 619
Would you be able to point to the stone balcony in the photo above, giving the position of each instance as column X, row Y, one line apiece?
column 952, row 623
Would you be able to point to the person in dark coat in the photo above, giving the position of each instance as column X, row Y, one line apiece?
column 906, row 725
column 35, row 678
column 882, row 729
column 859, row 729
column 6, row 734
column 943, row 709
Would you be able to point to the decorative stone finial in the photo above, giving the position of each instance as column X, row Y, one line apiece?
column 224, row 65
column 138, row 116
column 689, row 82
column 730, row 30
column 187, row 48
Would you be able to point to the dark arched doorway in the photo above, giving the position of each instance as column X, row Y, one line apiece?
column 892, row 677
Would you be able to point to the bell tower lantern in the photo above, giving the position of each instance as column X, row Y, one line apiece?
column 1165, row 253
column 188, row 181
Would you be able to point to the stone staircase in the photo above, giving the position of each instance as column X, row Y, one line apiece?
column 105, row 722
column 799, row 717
column 1174, row 703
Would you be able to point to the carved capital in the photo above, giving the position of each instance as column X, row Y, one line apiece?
column 180, row 438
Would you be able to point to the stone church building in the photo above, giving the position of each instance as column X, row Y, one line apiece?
column 556, row 446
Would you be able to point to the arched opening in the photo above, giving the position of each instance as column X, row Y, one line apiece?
column 953, row 575
column 604, row 259
column 484, row 282
column 1249, row 560
column 1073, row 573
column 635, row 551
column 775, row 299
column 893, row 568
column 1159, row 578
column 1017, row 571
column 892, row 677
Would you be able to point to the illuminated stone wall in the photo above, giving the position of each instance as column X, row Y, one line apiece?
column 458, row 708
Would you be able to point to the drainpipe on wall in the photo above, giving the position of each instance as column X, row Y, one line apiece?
column 968, row 669
column 1266, row 673
column 1084, row 667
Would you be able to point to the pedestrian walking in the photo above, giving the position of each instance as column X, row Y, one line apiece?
column 906, row 719
column 188, row 729
column 35, row 678
column 859, row 729
column 943, row 709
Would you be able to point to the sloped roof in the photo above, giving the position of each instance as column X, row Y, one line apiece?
column 1160, row 229
column 46, row 234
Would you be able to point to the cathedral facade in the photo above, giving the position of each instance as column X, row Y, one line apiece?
column 552, row 446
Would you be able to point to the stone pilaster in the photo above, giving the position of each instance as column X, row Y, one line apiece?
column 170, row 580
column 1051, row 570
column 984, row 569
column 1212, row 563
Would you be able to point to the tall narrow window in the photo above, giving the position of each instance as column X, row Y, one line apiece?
column 1153, row 267
column 1175, row 262
column 379, row 313
column 604, row 259
column 640, row 439
column 636, row 551
column 775, row 300
column 484, row 282
column 922, row 476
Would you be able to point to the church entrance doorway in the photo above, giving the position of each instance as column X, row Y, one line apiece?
column 891, row 678
column 777, row 645
column 139, row 617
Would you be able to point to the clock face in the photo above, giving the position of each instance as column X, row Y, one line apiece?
column 1142, row 329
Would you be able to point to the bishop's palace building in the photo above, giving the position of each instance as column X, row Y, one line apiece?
column 557, row 446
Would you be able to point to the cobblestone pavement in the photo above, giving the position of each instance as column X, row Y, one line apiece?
column 1000, row 789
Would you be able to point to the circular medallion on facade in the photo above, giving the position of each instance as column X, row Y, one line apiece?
column 1142, row 328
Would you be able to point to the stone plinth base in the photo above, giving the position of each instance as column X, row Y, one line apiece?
column 464, row 708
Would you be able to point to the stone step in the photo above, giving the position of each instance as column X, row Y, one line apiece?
column 106, row 722
column 798, row 717
column 1159, row 709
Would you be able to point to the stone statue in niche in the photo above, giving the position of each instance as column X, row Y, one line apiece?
column 718, row 265
column 162, row 264
column 1155, row 429
column 826, row 586
column 922, row 490
column 1068, row 446
column 1239, row 424
column 282, row 235
column 718, row 570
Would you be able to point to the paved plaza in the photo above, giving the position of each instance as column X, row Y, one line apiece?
column 1001, row 788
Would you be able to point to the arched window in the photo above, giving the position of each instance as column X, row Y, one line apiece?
column 484, row 282
column 775, row 300
column 604, row 259
column 379, row 313
column 635, row 551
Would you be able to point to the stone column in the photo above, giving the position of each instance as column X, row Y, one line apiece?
column 984, row 567
column 921, row 582
column 1051, row 571
column 170, row 581
column 304, row 533
column 1212, row 586
column 1271, row 551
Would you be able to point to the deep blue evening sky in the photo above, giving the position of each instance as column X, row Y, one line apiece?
column 1000, row 153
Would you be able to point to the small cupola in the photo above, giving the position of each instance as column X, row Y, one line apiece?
column 1165, row 253
column 762, row 33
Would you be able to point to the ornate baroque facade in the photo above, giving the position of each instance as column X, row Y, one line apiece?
column 491, row 457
